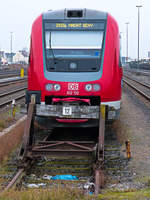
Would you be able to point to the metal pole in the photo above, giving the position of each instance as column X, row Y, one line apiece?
column 11, row 45
column 127, row 41
column 138, row 32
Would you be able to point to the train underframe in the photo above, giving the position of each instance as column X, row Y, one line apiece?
column 82, row 111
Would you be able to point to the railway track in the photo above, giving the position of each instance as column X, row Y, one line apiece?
column 139, row 72
column 64, row 151
column 11, row 73
column 6, row 75
column 38, row 172
column 142, row 88
column 58, row 153
column 12, row 89
column 15, row 94
column 7, row 82
column 52, row 155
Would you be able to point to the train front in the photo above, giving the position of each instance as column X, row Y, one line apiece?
column 71, row 70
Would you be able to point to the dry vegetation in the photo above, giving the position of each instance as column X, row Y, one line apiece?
column 60, row 193
column 5, row 121
column 6, row 118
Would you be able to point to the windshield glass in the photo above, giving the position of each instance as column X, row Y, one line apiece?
column 74, row 39
column 83, row 48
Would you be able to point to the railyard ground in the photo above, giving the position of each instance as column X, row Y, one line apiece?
column 133, row 182
column 133, row 125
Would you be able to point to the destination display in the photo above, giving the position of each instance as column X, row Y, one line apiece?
column 67, row 25
column 74, row 25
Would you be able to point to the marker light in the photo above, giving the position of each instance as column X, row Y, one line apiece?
column 49, row 87
column 73, row 66
column 88, row 87
column 57, row 87
column 96, row 87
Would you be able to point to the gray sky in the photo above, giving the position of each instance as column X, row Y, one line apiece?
column 18, row 15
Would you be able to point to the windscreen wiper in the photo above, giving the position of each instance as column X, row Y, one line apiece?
column 54, row 59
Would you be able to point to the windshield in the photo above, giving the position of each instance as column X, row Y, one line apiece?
column 83, row 48
column 74, row 39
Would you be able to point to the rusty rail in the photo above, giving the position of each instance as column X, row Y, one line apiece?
column 15, row 179
column 100, row 160
column 28, row 130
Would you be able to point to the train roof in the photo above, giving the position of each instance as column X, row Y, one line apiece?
column 74, row 14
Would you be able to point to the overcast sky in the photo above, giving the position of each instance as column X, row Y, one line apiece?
column 18, row 15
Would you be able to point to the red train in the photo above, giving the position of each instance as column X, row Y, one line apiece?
column 75, row 67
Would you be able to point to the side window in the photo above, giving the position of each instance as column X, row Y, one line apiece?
column 30, row 54
column 120, row 57
column 29, row 58
column 120, row 60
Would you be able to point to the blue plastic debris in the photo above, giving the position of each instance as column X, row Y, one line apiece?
column 64, row 177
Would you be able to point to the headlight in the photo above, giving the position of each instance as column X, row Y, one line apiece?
column 49, row 87
column 56, row 87
column 88, row 87
column 73, row 66
column 96, row 87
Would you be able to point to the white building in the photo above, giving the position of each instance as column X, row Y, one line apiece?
column 20, row 58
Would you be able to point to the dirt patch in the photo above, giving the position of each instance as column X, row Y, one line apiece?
column 134, row 124
column 130, row 174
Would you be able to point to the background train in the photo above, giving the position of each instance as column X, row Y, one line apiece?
column 75, row 66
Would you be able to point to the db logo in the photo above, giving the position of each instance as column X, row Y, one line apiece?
column 73, row 86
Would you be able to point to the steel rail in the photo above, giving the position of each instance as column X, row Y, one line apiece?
column 9, row 82
column 9, row 101
column 143, row 84
column 9, row 71
column 19, row 175
column 8, row 75
column 15, row 179
column 137, row 90
column 145, row 73
column 12, row 92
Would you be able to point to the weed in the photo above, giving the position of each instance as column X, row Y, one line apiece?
column 57, row 193
column 66, row 193
column 2, row 123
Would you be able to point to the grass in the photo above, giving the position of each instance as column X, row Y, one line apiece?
column 57, row 193
column 2, row 124
column 128, row 195
column 6, row 118
column 66, row 193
